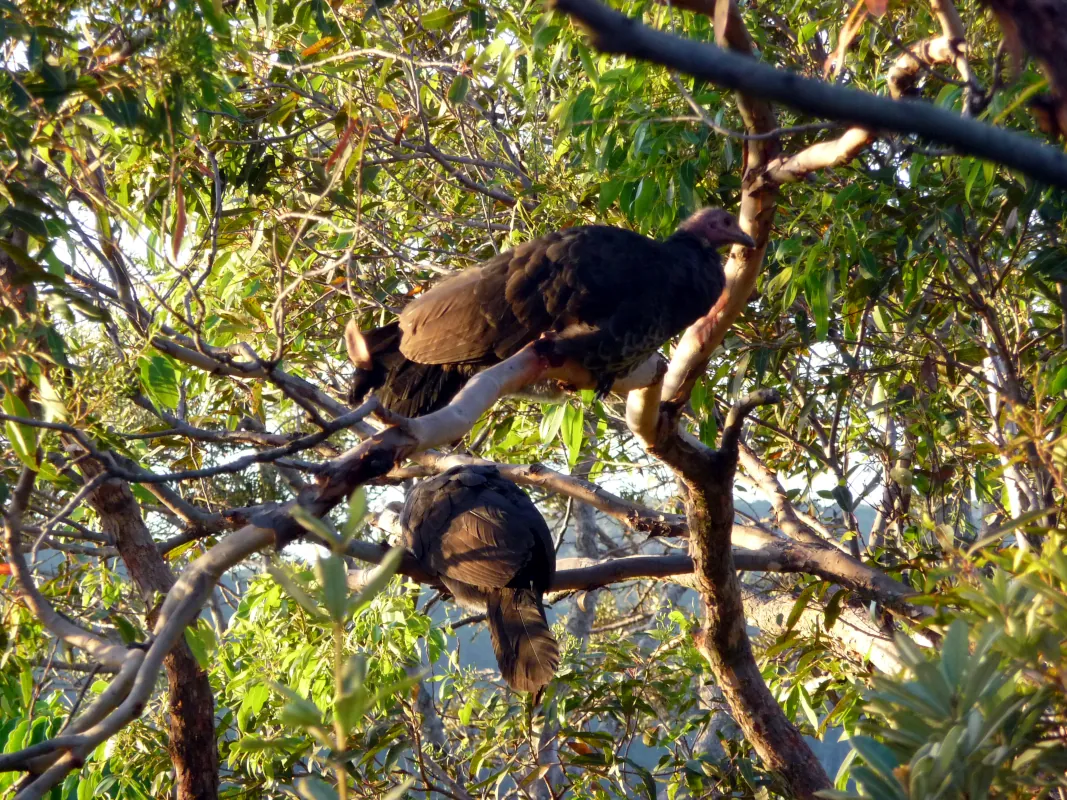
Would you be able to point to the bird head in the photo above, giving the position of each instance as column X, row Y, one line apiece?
column 716, row 226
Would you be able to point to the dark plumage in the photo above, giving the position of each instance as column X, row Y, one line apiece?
column 483, row 538
column 610, row 298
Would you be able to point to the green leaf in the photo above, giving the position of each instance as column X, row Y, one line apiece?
column 466, row 711
column 843, row 496
column 809, row 712
column 213, row 13
column 29, row 270
column 545, row 36
column 609, row 192
column 997, row 533
column 23, row 437
column 55, row 410
column 293, row 589
column 333, row 576
column 1058, row 384
column 833, row 609
column 457, row 92
column 818, row 283
column 313, row 524
column 256, row 697
column 315, row 789
column 378, row 579
column 298, row 711
column 357, row 510
column 31, row 223
column 573, row 422
column 127, row 631
column 551, row 421
column 257, row 744
column 195, row 640
column 647, row 194
column 877, row 756
column 438, row 18
column 798, row 607
column 955, row 651
column 97, row 122
column 1052, row 263
column 399, row 790
column 160, row 380
column 882, row 320
column 354, row 674
column 26, row 685
column 534, row 776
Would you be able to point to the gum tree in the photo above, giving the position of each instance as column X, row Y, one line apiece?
column 196, row 198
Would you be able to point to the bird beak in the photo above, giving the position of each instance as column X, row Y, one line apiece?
column 733, row 233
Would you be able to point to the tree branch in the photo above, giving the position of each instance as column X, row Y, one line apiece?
column 614, row 32
column 724, row 642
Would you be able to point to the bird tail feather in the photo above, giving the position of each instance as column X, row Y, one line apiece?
column 525, row 648
column 404, row 387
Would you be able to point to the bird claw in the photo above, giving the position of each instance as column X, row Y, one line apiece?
column 546, row 348
column 604, row 385
column 389, row 417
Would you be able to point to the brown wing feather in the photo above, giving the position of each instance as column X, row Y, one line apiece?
column 489, row 313
column 478, row 548
column 446, row 325
column 475, row 527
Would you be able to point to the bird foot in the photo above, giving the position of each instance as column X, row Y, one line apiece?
column 603, row 386
column 546, row 348
column 389, row 417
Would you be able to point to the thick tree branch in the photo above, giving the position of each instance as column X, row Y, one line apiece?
column 852, row 634
column 191, row 723
column 724, row 642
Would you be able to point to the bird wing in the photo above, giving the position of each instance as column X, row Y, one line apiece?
column 425, row 517
column 445, row 325
column 488, row 543
column 475, row 527
column 489, row 313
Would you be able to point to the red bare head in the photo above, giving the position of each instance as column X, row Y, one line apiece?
column 716, row 226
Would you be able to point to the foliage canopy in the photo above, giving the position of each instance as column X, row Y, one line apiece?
column 196, row 197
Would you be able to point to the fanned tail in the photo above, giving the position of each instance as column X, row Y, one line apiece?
column 525, row 649
column 404, row 387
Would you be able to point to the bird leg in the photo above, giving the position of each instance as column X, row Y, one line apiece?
column 566, row 348
column 546, row 348
column 387, row 416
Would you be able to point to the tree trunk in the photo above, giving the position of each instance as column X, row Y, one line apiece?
column 192, row 746
column 725, row 644
column 723, row 640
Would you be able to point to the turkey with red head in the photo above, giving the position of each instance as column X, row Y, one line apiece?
column 483, row 538
column 608, row 297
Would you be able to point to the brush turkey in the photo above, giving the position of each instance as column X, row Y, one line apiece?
column 608, row 298
column 483, row 538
